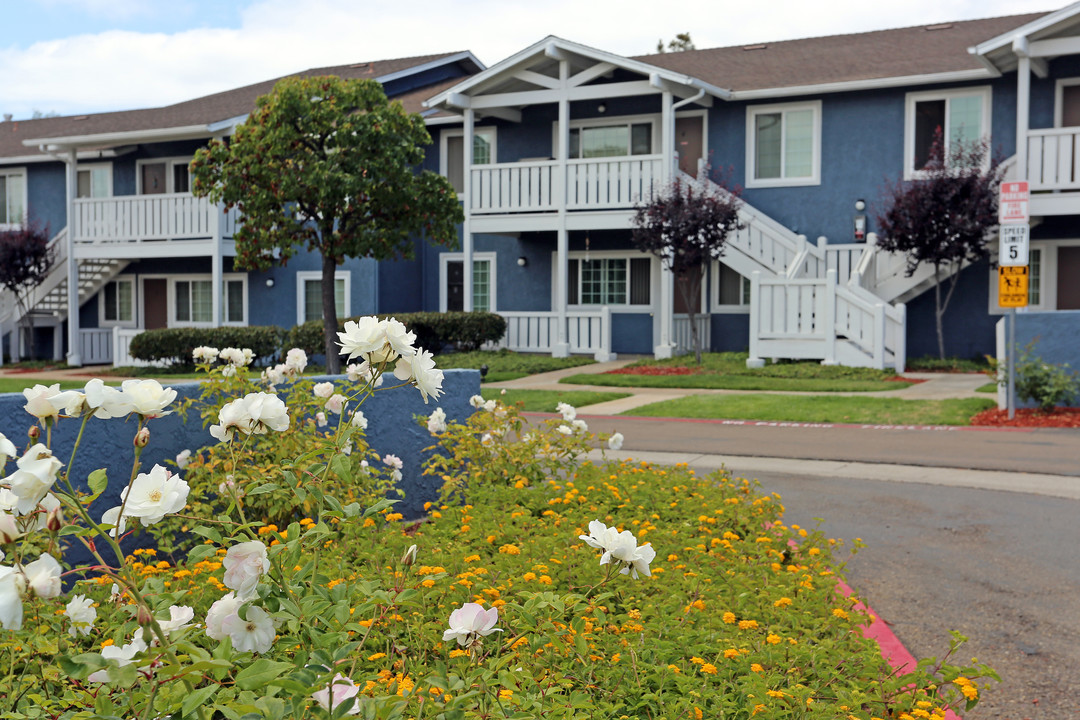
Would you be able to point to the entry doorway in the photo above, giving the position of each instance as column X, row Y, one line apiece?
column 690, row 142
column 155, row 303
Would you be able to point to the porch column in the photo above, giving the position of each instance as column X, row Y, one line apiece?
column 666, row 305
column 73, row 356
column 561, row 347
column 466, row 231
column 1023, row 97
column 216, row 260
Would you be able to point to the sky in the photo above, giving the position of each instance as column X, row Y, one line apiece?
column 82, row 56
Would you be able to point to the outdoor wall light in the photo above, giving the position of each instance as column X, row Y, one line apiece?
column 860, row 205
column 523, row 261
column 269, row 282
column 602, row 108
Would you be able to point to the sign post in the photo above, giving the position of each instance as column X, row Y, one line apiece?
column 1015, row 234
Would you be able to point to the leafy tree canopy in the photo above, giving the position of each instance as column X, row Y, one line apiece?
column 681, row 42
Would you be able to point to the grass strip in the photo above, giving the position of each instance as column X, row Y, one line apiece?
column 17, row 385
column 820, row 409
column 737, row 382
column 546, row 400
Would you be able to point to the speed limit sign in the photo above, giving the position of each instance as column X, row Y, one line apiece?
column 1014, row 245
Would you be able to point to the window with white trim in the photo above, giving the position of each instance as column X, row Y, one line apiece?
column 732, row 289
column 453, row 153
column 609, row 281
column 193, row 301
column 94, row 181
column 611, row 140
column 117, row 302
column 962, row 116
column 12, row 197
column 783, row 144
column 309, row 295
column 163, row 175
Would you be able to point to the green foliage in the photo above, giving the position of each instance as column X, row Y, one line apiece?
column 929, row 363
column 465, row 330
column 174, row 345
column 507, row 364
column 1045, row 384
column 548, row 400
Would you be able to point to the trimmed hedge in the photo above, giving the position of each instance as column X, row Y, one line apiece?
column 174, row 345
column 462, row 330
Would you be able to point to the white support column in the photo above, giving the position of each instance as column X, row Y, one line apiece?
column 755, row 360
column 466, row 231
column 830, row 318
column 561, row 347
column 216, row 215
column 1023, row 98
column 666, row 305
column 73, row 357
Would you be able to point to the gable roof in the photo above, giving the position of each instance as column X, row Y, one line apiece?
column 197, row 117
column 838, row 62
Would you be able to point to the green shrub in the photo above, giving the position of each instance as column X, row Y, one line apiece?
column 1043, row 383
column 463, row 330
column 174, row 345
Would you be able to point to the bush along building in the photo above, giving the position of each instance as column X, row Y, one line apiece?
column 563, row 141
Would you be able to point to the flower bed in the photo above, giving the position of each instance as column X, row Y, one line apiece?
column 538, row 585
column 1029, row 418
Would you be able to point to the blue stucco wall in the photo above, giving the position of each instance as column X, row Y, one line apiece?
column 730, row 332
column 45, row 195
column 108, row 443
column 1054, row 334
column 968, row 325
column 278, row 305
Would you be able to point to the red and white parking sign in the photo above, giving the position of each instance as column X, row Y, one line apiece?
column 1013, row 204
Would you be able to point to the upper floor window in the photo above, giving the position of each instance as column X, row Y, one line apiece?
column 962, row 116
column 165, row 175
column 12, row 197
column 94, row 181
column 618, row 140
column 453, row 154
column 783, row 144
column 1067, row 105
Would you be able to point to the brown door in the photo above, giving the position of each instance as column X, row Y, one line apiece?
column 152, row 177
column 1068, row 278
column 689, row 136
column 155, row 303
column 455, row 285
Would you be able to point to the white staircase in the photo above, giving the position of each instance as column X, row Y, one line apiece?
column 838, row 303
column 49, row 299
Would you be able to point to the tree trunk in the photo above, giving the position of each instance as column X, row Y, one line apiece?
column 691, row 291
column 939, row 312
column 330, row 318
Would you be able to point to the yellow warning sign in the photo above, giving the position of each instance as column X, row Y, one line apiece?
column 1013, row 286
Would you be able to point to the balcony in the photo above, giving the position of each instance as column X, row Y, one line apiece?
column 149, row 225
column 1053, row 170
column 536, row 186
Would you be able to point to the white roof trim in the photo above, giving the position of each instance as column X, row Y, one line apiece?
column 229, row 124
column 872, row 84
column 188, row 132
column 44, row 157
column 456, row 57
column 1006, row 39
column 551, row 41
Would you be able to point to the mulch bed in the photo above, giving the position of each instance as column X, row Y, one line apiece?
column 1030, row 418
column 654, row 370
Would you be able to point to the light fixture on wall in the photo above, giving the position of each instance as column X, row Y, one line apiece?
column 601, row 108
column 523, row 261
column 860, row 220
column 860, row 205
column 269, row 282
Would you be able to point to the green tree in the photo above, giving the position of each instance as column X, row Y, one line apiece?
column 330, row 165
column 681, row 42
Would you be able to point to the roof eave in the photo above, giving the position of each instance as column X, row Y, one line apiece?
column 74, row 142
column 1005, row 39
column 871, row 84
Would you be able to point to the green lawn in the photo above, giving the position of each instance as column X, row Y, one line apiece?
column 816, row 408
column 929, row 363
column 507, row 365
column 728, row 371
column 990, row 387
column 546, row 400
column 17, row 384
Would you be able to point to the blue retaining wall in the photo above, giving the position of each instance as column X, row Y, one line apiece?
column 1054, row 334
column 108, row 443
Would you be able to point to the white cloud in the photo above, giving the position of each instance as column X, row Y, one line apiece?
column 123, row 69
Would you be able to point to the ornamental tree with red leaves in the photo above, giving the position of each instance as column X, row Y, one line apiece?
column 25, row 262
column 329, row 164
column 686, row 225
column 943, row 216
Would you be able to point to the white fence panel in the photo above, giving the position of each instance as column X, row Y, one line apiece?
column 96, row 346
column 684, row 339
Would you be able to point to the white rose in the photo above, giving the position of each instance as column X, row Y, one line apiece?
column 400, row 339
column 336, row 404
column 580, row 425
column 615, row 441
column 112, row 517
column 43, row 576
column 267, row 412
column 358, row 420
column 244, row 565
column 7, row 450
column 180, row 617
column 233, row 416
column 477, row 401
column 320, row 419
column 221, row 610
column 362, row 337
column 437, row 421
column 295, row 361
column 151, row 496
column 323, row 389
column 274, row 376
column 122, row 655
column 204, row 352
column 36, row 473
column 255, row 634
column 38, row 401
column 569, row 412
column 12, row 585
column 420, row 369
column 183, row 458
column 82, row 614
column 148, row 398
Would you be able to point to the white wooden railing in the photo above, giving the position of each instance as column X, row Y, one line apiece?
column 1053, row 159
column 533, row 186
column 139, row 218
column 587, row 332
column 121, row 349
column 684, row 338
column 96, row 346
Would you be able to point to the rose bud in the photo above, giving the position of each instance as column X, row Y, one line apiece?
column 142, row 438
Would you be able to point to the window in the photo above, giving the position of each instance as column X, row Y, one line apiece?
column 309, row 295
column 118, row 302
column 732, row 289
column 609, row 281
column 164, row 175
column 193, row 302
column 94, row 181
column 453, row 154
column 963, row 116
column 1034, row 277
column 12, row 197
column 783, row 145
column 452, row 290
column 611, row 140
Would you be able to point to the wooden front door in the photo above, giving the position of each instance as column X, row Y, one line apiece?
column 152, row 179
column 1068, row 278
column 689, row 142
column 155, row 303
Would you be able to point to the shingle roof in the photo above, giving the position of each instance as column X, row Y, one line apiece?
column 200, row 111
column 902, row 52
